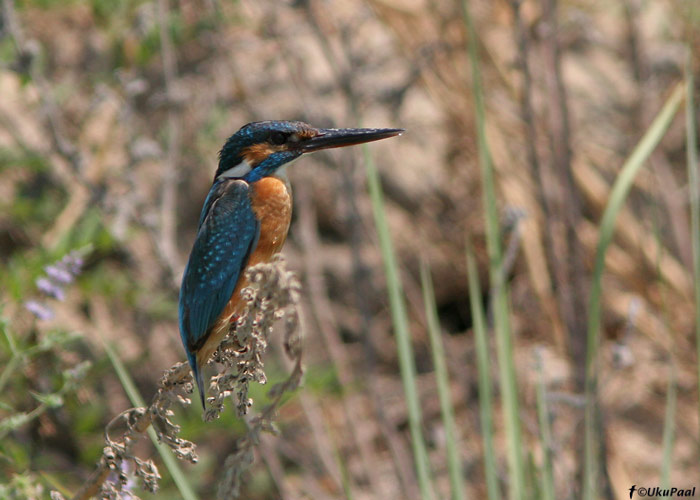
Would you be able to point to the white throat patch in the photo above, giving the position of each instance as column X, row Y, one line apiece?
column 281, row 172
column 239, row 170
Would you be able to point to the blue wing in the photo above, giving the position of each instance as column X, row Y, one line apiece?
column 228, row 234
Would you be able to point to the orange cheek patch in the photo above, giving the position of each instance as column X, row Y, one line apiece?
column 258, row 152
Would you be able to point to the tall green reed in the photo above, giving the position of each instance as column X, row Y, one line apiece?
column 694, row 183
column 485, row 383
column 454, row 464
column 669, row 428
column 546, row 472
column 617, row 197
column 504, row 341
column 403, row 335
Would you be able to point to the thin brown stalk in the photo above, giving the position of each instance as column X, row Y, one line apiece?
column 319, row 302
column 274, row 466
column 168, row 208
column 328, row 327
column 320, row 305
column 572, row 285
column 361, row 271
column 528, row 117
column 312, row 485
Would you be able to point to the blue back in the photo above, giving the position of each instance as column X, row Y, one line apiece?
column 228, row 234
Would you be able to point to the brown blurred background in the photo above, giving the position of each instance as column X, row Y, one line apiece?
column 111, row 117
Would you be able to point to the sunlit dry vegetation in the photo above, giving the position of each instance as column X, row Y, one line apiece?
column 550, row 144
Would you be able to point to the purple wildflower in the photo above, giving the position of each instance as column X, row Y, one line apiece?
column 40, row 310
column 74, row 262
column 50, row 288
column 59, row 274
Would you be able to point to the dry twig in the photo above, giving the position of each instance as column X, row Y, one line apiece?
column 273, row 295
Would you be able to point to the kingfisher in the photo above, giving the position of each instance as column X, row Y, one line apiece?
column 244, row 222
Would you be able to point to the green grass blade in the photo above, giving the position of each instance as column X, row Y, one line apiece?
column 403, row 336
column 618, row 194
column 345, row 477
column 485, row 383
column 15, row 356
column 669, row 428
column 504, row 342
column 547, row 479
column 166, row 453
column 693, row 181
column 454, row 463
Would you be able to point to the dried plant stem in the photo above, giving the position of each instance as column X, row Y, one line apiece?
column 571, row 281
column 527, row 115
column 137, row 421
column 273, row 295
column 242, row 458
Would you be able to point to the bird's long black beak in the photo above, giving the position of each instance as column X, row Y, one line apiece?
column 340, row 137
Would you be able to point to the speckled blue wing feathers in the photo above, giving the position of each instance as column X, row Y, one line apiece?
column 228, row 234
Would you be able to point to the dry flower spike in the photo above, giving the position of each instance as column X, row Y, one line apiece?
column 272, row 296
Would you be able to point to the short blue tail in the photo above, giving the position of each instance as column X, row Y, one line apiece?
column 198, row 377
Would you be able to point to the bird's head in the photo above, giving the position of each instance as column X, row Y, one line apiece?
column 259, row 149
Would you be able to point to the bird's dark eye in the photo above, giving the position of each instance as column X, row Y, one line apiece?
column 278, row 138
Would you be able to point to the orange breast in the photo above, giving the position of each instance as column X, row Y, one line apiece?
column 271, row 200
column 272, row 203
